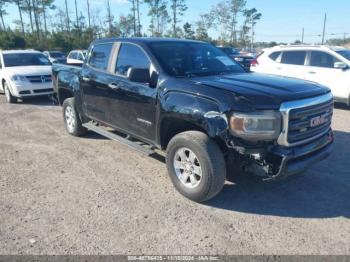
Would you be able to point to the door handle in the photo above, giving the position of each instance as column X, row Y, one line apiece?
column 312, row 72
column 278, row 68
column 114, row 86
column 86, row 79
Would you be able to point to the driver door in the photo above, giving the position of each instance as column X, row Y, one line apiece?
column 133, row 105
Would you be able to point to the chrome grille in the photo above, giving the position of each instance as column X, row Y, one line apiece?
column 39, row 79
column 300, row 127
column 299, row 116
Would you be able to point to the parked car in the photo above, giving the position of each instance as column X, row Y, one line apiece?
column 249, row 52
column 56, row 56
column 76, row 57
column 324, row 65
column 191, row 100
column 243, row 60
column 24, row 74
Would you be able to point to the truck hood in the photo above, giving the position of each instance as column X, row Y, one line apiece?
column 29, row 70
column 263, row 91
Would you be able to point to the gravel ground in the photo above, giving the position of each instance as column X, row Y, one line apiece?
column 65, row 195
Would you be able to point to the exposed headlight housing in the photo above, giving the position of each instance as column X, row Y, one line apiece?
column 264, row 125
column 18, row 78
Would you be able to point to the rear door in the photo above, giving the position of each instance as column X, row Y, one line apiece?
column 133, row 105
column 94, row 82
column 320, row 69
column 292, row 64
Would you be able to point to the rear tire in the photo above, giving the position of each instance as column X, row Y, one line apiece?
column 196, row 166
column 9, row 97
column 71, row 118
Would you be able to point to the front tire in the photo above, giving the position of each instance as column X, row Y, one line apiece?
column 9, row 97
column 71, row 118
column 196, row 166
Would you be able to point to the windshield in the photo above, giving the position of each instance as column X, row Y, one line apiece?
column 345, row 53
column 57, row 55
column 25, row 59
column 182, row 59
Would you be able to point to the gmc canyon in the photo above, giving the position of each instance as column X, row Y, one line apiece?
column 191, row 100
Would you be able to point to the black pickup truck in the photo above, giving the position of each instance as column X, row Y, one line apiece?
column 191, row 100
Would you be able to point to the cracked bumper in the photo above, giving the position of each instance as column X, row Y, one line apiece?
column 298, row 159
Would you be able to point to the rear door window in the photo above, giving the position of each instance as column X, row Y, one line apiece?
column 322, row 59
column 131, row 55
column 99, row 57
column 293, row 57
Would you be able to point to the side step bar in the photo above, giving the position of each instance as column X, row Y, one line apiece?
column 122, row 140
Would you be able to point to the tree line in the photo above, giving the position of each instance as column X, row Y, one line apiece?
column 43, row 24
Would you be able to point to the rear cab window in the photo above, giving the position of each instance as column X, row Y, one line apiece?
column 293, row 57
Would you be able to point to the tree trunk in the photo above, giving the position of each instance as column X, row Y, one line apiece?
column 134, row 16
column 89, row 15
column 67, row 17
column 30, row 13
column 20, row 16
column 174, row 17
column 109, row 18
column 138, row 17
column 76, row 13
column 36, row 19
column 2, row 22
column 44, row 16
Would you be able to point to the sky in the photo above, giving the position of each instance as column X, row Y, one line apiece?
column 282, row 20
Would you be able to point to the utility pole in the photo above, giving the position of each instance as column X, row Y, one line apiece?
column 324, row 28
column 302, row 36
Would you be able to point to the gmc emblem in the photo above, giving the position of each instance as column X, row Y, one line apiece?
column 317, row 121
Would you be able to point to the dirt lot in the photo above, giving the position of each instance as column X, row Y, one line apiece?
column 66, row 195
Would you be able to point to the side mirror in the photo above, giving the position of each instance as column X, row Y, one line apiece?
column 139, row 75
column 340, row 65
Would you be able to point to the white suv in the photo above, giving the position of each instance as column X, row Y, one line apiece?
column 24, row 74
column 328, row 66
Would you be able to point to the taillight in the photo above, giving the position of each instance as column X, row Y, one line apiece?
column 254, row 62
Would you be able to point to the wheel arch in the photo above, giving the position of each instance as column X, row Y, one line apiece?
column 63, row 94
column 172, row 126
column 183, row 112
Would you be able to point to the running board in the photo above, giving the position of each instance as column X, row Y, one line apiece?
column 122, row 140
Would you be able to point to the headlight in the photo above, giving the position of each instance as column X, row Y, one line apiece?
column 18, row 78
column 265, row 125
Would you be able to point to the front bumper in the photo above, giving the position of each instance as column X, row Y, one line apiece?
column 28, row 89
column 298, row 159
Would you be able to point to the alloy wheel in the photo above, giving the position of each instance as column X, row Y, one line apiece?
column 187, row 168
